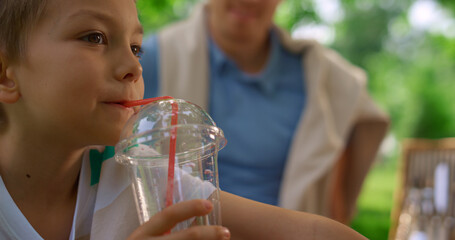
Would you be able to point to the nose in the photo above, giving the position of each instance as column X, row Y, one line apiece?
column 128, row 67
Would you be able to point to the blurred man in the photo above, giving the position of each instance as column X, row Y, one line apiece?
column 302, row 131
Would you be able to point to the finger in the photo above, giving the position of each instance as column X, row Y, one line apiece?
column 165, row 220
column 199, row 233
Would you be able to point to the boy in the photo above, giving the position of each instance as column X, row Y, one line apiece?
column 66, row 68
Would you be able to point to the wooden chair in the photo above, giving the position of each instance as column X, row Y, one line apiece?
column 417, row 168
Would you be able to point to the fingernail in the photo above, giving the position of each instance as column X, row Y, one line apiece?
column 208, row 204
column 226, row 233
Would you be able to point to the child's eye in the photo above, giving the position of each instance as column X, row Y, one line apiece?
column 137, row 50
column 96, row 38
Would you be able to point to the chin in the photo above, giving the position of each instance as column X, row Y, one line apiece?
column 241, row 34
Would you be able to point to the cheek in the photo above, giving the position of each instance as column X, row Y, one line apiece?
column 83, row 74
column 219, row 8
column 270, row 11
column 139, row 89
column 65, row 70
column 83, row 64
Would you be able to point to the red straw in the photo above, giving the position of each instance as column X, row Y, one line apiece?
column 145, row 101
column 172, row 146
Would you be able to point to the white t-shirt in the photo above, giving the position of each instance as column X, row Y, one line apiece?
column 14, row 225
column 105, row 210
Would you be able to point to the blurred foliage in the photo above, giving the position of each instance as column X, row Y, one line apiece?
column 156, row 14
column 450, row 4
column 410, row 71
column 292, row 12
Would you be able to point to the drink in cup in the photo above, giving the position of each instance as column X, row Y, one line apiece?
column 170, row 148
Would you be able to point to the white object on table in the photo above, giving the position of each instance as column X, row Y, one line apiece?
column 441, row 187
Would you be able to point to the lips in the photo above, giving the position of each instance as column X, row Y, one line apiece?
column 123, row 103
column 118, row 104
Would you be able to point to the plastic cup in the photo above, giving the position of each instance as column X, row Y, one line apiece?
column 170, row 148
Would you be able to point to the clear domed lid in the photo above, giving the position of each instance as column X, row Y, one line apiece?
column 147, row 134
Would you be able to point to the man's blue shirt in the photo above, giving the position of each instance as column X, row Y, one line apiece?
column 258, row 114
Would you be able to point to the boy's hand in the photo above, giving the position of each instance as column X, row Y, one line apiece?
column 165, row 220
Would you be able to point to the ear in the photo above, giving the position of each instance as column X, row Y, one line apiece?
column 9, row 90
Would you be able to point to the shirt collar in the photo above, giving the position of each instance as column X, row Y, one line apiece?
column 267, row 79
column 219, row 60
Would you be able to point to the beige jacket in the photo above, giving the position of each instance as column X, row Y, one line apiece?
column 337, row 102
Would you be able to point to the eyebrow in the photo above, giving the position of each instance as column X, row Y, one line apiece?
column 103, row 17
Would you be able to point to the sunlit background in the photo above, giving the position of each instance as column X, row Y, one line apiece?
column 407, row 48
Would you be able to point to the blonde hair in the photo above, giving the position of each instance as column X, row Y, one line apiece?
column 17, row 17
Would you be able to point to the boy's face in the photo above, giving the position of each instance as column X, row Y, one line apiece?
column 243, row 18
column 81, row 62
